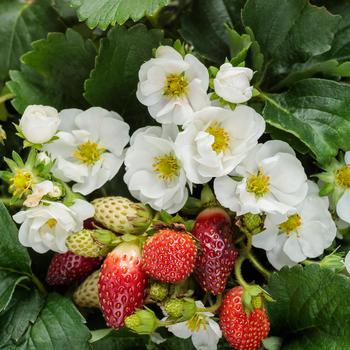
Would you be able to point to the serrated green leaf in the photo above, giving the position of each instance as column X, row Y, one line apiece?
column 21, row 23
column 102, row 13
column 19, row 314
column 285, row 38
column 65, row 10
column 54, row 72
column 316, row 111
column 58, row 326
column 8, row 282
column 113, row 82
column 310, row 309
column 13, row 255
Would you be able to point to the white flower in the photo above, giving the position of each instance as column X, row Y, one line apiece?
column 203, row 330
column 273, row 181
column 233, row 83
column 343, row 180
column 38, row 192
column 217, row 140
column 90, row 148
column 305, row 233
column 173, row 87
column 43, row 158
column 39, row 123
column 47, row 226
column 153, row 173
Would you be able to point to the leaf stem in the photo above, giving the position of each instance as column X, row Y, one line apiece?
column 38, row 284
column 259, row 266
column 214, row 307
column 6, row 97
column 238, row 271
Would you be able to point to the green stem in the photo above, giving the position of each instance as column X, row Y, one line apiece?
column 6, row 97
column 258, row 266
column 238, row 272
column 38, row 284
column 214, row 307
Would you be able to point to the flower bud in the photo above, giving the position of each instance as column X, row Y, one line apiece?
column 39, row 123
column 142, row 321
column 233, row 83
column 333, row 261
column 42, row 157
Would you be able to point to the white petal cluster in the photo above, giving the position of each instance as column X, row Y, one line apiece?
column 90, row 147
column 304, row 233
column 217, row 140
column 270, row 179
column 343, row 204
column 39, row 123
column 205, row 333
column 233, row 83
column 154, row 174
column 173, row 87
column 47, row 226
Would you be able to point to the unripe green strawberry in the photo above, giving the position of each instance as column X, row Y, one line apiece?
column 91, row 243
column 121, row 215
column 158, row 291
column 86, row 295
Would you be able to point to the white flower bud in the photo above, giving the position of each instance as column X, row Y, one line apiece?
column 43, row 158
column 39, row 123
column 233, row 83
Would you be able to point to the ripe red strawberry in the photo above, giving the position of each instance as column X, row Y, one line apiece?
column 169, row 255
column 122, row 284
column 218, row 254
column 67, row 267
column 241, row 331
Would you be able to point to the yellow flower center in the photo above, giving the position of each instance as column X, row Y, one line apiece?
column 176, row 85
column 89, row 152
column 51, row 222
column 195, row 323
column 166, row 166
column 21, row 182
column 221, row 137
column 342, row 176
column 258, row 184
column 291, row 224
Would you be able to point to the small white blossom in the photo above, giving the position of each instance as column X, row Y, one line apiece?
column 173, row 87
column 233, row 83
column 47, row 226
column 38, row 192
column 154, row 174
column 39, row 123
column 217, row 140
column 347, row 261
column 291, row 238
column 90, row 148
column 203, row 330
column 270, row 179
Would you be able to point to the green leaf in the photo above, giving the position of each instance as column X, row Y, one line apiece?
column 102, row 13
column 13, row 255
column 19, row 314
column 316, row 111
column 8, row 282
column 21, row 23
column 310, row 309
column 65, row 10
column 58, row 326
column 285, row 38
column 54, row 72
column 113, row 82
column 121, row 340
column 239, row 46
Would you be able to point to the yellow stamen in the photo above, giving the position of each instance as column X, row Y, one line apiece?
column 166, row 166
column 221, row 137
column 342, row 176
column 196, row 322
column 89, row 152
column 258, row 184
column 176, row 85
column 21, row 182
column 291, row 224
column 51, row 223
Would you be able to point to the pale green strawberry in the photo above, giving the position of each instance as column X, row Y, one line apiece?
column 92, row 243
column 121, row 215
column 86, row 295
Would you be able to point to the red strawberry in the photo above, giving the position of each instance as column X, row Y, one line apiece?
column 169, row 255
column 218, row 254
column 67, row 267
column 241, row 331
column 122, row 284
